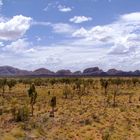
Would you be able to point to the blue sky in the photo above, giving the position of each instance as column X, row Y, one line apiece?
column 70, row 34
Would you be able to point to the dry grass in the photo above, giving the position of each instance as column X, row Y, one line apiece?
column 92, row 119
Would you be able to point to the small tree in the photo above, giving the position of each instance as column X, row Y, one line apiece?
column 22, row 114
column 78, row 84
column 66, row 91
column 3, row 83
column 14, row 105
column 117, row 82
column 53, row 105
column 11, row 84
column 130, row 97
column 104, row 84
column 33, row 95
column 81, row 93
column 135, row 81
column 38, row 82
column 26, row 82
column 80, row 89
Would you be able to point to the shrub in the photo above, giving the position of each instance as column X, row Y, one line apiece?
column 106, row 135
column 66, row 91
column 20, row 114
column 104, row 84
column 11, row 84
column 53, row 105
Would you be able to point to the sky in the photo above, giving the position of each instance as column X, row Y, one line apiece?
column 70, row 34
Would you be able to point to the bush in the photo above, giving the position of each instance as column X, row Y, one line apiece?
column 20, row 114
column 23, row 114
column 106, row 135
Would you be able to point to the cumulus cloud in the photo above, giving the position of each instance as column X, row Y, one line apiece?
column 14, row 28
column 18, row 46
column 80, row 19
column 63, row 8
column 122, row 35
column 131, row 17
column 60, row 28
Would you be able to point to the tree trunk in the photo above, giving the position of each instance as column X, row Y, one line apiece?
column 114, row 99
column 80, row 98
column 52, row 112
column 130, row 98
column 3, row 91
column 32, row 109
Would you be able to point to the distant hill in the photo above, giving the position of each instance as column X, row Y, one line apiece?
column 42, row 71
column 93, row 71
column 11, row 71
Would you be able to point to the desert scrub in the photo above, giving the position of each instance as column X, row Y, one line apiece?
column 3, row 83
column 53, row 105
column 14, row 105
column 20, row 113
column 66, row 91
column 11, row 83
column 106, row 134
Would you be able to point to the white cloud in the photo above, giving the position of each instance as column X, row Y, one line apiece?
column 14, row 28
column 80, row 19
column 131, row 17
column 80, row 32
column 99, row 35
column 50, row 5
column 62, row 28
column 122, row 35
column 52, row 57
column 115, row 45
column 3, row 19
column 120, row 38
column 1, row 44
column 41, row 23
column 18, row 46
column 63, row 8
column 57, row 27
